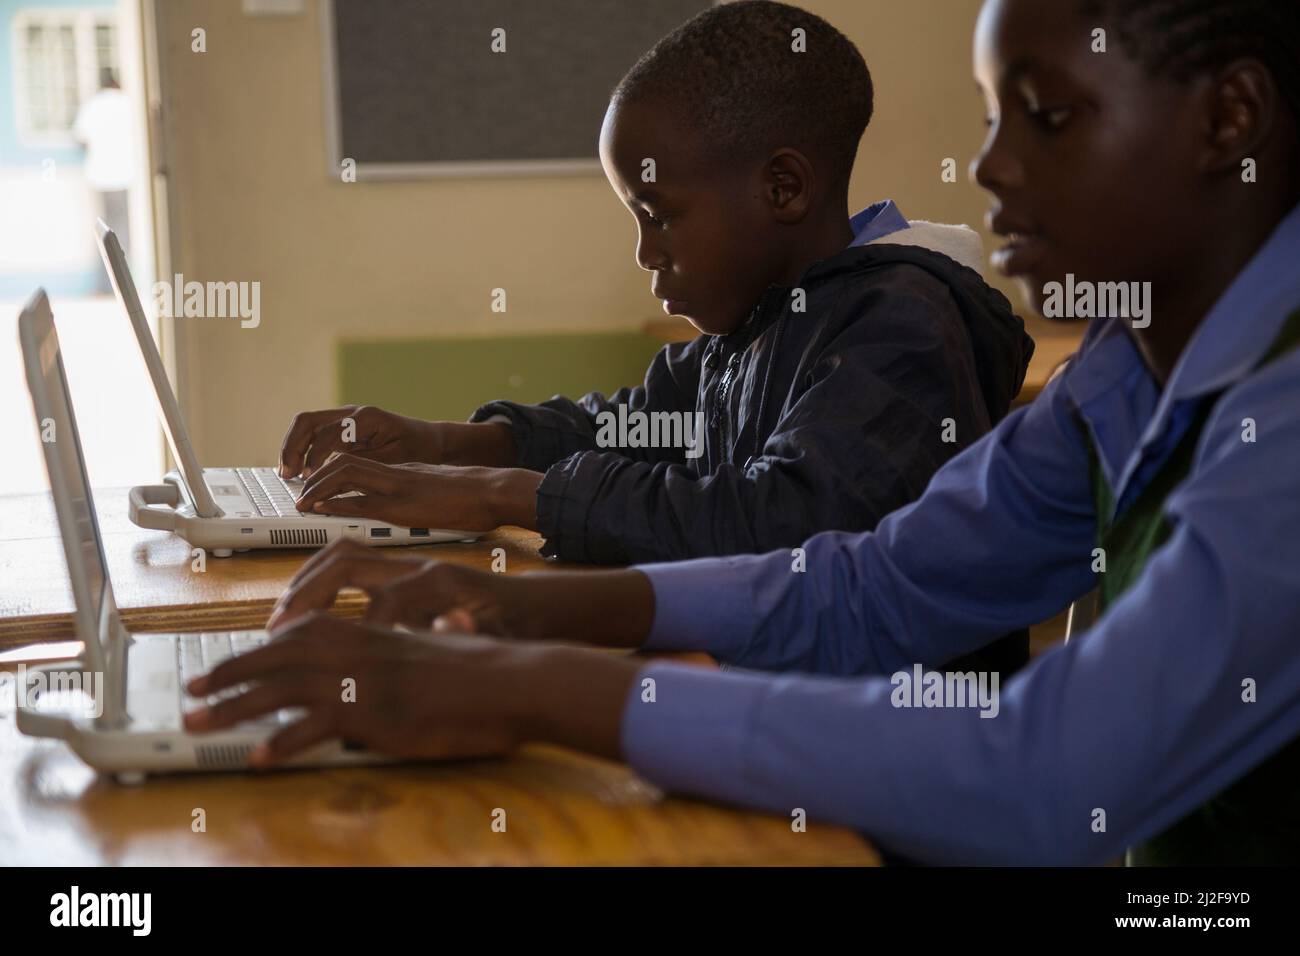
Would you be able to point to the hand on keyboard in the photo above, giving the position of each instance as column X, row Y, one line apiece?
column 420, row 696
column 412, row 591
column 197, row 654
column 423, row 496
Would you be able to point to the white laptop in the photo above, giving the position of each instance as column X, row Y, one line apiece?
column 119, row 706
column 230, row 509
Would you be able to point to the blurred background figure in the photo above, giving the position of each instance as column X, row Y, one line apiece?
column 73, row 147
column 103, row 126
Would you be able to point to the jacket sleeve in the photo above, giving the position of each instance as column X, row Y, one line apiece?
column 881, row 405
column 559, row 427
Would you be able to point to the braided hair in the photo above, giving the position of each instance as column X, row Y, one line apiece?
column 1180, row 38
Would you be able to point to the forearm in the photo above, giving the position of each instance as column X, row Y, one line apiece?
column 490, row 444
column 572, row 697
column 1000, row 538
column 551, row 431
column 512, row 496
column 613, row 609
column 540, row 435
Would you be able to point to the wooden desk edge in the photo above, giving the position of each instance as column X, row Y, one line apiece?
column 173, row 619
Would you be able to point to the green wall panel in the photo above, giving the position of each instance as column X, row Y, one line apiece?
column 449, row 378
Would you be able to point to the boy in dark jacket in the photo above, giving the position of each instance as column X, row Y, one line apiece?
column 842, row 361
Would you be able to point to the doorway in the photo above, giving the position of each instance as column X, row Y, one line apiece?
column 74, row 147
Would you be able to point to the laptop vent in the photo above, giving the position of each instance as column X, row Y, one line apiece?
column 298, row 537
column 223, row 755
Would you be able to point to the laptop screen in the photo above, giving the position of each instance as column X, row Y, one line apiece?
column 169, row 412
column 65, row 463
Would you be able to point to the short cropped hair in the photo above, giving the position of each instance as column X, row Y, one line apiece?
column 742, row 77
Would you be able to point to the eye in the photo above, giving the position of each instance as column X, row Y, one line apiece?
column 658, row 222
column 1053, row 118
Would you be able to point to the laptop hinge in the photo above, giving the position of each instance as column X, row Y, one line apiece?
column 114, row 640
column 177, row 478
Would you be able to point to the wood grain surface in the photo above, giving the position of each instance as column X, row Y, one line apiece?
column 560, row 808
column 155, row 584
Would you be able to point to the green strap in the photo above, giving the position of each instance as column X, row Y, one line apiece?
column 1256, row 819
column 1287, row 340
column 1132, row 537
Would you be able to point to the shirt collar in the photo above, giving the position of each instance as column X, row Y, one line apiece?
column 877, row 220
column 1241, row 326
column 1117, row 394
column 1230, row 341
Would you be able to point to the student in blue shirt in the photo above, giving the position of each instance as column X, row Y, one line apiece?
column 1169, row 449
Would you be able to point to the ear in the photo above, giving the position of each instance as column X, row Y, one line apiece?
column 1241, row 117
column 789, row 184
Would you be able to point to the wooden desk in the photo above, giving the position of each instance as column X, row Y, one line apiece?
column 155, row 587
column 561, row 808
column 1053, row 342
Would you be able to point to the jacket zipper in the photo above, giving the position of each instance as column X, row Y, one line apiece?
column 724, row 388
column 719, row 418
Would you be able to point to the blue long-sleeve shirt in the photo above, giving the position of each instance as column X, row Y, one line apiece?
column 1143, row 718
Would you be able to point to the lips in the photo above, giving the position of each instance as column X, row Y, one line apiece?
column 1020, row 256
column 1024, row 249
column 672, row 305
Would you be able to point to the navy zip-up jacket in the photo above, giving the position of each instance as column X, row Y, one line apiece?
column 826, row 418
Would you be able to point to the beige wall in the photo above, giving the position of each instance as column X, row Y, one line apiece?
column 252, row 201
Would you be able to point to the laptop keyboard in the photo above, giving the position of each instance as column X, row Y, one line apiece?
column 198, row 653
column 273, row 497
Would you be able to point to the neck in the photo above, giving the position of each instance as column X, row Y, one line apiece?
column 1183, row 304
column 815, row 241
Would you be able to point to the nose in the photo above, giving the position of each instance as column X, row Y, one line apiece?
column 994, row 168
column 649, row 254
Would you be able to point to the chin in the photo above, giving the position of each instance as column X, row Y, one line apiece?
column 711, row 328
column 1031, row 293
column 713, row 324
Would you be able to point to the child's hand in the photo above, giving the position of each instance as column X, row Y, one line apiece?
column 360, row 430
column 605, row 608
column 368, row 432
column 411, row 591
column 407, row 695
column 423, row 496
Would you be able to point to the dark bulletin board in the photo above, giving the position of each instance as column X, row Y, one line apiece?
column 417, row 87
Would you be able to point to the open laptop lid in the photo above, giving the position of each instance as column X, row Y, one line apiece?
column 96, row 618
column 169, row 410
